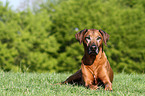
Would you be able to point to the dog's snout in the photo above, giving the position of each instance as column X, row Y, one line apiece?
column 93, row 47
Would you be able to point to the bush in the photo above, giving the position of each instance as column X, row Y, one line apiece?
column 122, row 20
column 44, row 40
column 26, row 43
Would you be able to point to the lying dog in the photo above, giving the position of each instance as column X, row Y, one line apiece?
column 95, row 68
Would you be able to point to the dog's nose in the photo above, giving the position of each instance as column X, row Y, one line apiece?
column 93, row 47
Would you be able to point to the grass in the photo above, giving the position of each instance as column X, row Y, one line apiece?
column 36, row 84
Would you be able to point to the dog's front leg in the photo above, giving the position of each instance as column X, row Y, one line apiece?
column 103, row 76
column 88, row 78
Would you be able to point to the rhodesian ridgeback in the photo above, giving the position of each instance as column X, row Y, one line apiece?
column 95, row 68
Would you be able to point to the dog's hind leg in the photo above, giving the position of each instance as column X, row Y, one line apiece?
column 75, row 78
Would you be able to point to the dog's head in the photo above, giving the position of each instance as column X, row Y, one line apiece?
column 92, row 39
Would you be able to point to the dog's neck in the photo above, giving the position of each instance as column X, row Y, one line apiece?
column 89, row 59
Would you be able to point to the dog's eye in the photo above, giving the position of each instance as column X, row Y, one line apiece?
column 98, row 38
column 88, row 38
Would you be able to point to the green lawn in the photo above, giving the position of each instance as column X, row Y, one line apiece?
column 36, row 84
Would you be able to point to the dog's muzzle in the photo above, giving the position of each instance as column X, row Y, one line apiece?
column 93, row 49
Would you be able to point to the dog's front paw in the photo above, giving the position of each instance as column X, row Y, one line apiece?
column 108, row 87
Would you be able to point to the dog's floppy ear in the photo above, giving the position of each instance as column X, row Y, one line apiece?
column 79, row 35
column 105, row 36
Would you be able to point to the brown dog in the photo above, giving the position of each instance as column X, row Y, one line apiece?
column 95, row 68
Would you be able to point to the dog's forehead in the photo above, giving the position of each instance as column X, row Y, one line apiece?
column 93, row 32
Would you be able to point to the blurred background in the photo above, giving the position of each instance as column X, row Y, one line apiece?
column 39, row 35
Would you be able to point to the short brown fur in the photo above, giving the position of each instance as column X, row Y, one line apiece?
column 95, row 68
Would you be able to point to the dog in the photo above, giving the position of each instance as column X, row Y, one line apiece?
column 95, row 68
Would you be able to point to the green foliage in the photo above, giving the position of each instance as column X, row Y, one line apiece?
column 44, row 39
column 34, row 84
column 26, row 43
column 123, row 21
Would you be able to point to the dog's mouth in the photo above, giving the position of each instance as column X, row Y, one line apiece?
column 93, row 50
